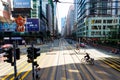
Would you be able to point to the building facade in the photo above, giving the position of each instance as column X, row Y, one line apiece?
column 5, row 15
column 70, row 20
column 63, row 21
column 98, row 18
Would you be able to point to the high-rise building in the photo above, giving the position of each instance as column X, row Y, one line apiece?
column 5, row 15
column 70, row 20
column 25, row 8
column 98, row 18
column 63, row 21
column 49, row 17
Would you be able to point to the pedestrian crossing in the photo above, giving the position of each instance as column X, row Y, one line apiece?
column 61, row 65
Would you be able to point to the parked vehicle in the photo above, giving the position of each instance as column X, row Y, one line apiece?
column 82, row 45
column 6, row 46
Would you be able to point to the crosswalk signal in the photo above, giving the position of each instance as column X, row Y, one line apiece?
column 8, row 55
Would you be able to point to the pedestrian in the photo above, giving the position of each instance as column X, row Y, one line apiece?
column 23, row 42
column 77, row 46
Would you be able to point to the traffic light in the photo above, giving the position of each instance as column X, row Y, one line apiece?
column 31, row 51
column 29, row 55
column 17, row 53
column 8, row 54
column 36, row 52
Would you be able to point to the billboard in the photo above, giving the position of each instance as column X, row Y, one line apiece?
column 32, row 24
column 22, row 4
column 4, row 27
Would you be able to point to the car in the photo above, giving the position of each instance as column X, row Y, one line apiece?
column 6, row 46
column 82, row 45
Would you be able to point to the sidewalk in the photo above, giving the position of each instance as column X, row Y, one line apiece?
column 105, row 49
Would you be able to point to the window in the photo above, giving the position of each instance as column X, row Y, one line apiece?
column 104, row 27
column 98, row 21
column 104, row 21
column 109, row 21
column 94, row 27
column 6, row 7
column 99, row 27
column 114, row 20
column 98, row 33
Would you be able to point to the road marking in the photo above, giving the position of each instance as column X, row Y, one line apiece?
column 7, row 68
column 21, row 70
column 27, row 72
column 54, row 69
column 22, row 62
column 112, row 62
column 47, row 67
column 113, row 66
column 12, row 72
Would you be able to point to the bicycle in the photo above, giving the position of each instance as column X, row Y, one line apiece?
column 89, row 61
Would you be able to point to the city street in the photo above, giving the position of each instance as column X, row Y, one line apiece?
column 60, row 60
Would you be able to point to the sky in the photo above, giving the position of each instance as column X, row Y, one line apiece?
column 62, row 10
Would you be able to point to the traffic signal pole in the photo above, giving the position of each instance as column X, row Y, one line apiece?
column 15, row 67
column 33, row 78
column 33, row 53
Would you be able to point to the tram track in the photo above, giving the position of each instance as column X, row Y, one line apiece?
column 65, row 64
column 104, row 62
column 81, row 68
column 99, row 67
column 113, row 62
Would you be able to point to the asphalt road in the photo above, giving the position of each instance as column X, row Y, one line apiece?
column 61, row 61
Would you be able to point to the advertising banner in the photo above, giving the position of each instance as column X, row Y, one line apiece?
column 22, row 4
column 6, row 27
column 20, row 21
column 32, row 24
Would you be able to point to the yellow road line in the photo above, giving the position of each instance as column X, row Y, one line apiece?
column 8, row 68
column 12, row 71
column 113, row 63
column 26, row 73
column 21, row 71
column 113, row 66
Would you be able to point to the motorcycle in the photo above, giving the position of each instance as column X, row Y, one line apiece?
column 89, row 61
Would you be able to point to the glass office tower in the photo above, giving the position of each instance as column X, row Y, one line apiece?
column 98, row 18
